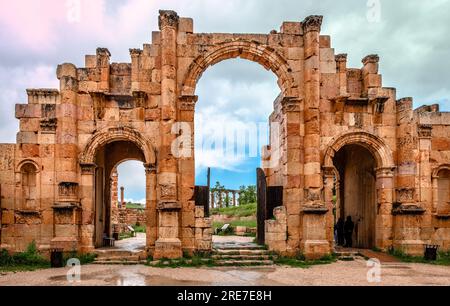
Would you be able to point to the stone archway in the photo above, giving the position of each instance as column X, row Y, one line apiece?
column 264, row 55
column 108, row 135
column 250, row 50
column 383, row 173
column 121, row 144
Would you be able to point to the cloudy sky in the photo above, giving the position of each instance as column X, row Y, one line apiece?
column 411, row 37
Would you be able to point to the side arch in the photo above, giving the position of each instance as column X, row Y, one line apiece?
column 435, row 173
column 109, row 135
column 265, row 55
column 379, row 149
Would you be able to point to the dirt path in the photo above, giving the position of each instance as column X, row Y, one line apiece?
column 340, row 273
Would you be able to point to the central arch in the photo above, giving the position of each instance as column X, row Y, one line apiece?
column 265, row 55
column 253, row 51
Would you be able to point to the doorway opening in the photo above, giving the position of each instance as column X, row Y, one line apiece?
column 355, row 197
column 231, row 128
column 120, row 219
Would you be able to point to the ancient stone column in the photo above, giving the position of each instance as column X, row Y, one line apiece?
column 315, row 241
column 87, row 195
column 213, row 199
column 168, row 244
column 312, row 171
column 385, row 195
column 234, row 198
column 151, row 207
column 220, row 199
column 122, row 198
column 66, row 146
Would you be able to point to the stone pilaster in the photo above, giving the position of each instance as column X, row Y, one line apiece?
column 168, row 244
column 314, row 234
column 150, row 207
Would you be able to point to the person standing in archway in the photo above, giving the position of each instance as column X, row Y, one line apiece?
column 349, row 226
column 340, row 231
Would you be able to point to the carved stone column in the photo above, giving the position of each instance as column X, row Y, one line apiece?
column 312, row 166
column 87, row 199
column 329, row 178
column 384, row 218
column 150, row 207
column 169, row 207
column 292, row 192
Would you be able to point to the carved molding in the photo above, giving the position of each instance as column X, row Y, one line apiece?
column 385, row 172
column 168, row 18
column 49, row 125
column 88, row 168
column 405, row 195
column 67, row 191
column 187, row 103
column 379, row 103
column 290, row 104
column 425, row 130
column 169, row 205
column 408, row 209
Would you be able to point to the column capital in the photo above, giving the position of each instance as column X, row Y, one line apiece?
column 312, row 23
column 168, row 18
column 290, row 104
column 341, row 58
column 385, row 172
column 88, row 168
column 187, row 103
column 135, row 52
column 150, row 168
column 371, row 58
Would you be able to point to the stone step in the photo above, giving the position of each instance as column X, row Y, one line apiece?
column 243, row 257
column 241, row 252
column 119, row 262
column 118, row 253
column 238, row 247
column 244, row 263
column 121, row 258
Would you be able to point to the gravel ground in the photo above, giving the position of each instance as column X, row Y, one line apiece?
column 340, row 273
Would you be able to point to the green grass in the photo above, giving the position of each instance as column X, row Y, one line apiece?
column 30, row 260
column 238, row 211
column 135, row 206
column 234, row 224
column 443, row 258
column 139, row 228
column 300, row 262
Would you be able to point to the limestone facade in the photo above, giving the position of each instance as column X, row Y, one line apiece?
column 56, row 180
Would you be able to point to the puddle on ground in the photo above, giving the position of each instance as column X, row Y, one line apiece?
column 131, row 279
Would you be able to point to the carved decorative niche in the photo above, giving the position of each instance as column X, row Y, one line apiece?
column 68, row 192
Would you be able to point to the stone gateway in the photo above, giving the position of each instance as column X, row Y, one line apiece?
column 346, row 146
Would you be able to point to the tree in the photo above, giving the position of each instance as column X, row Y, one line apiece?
column 247, row 195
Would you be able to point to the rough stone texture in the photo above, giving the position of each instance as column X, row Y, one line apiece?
column 52, row 186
